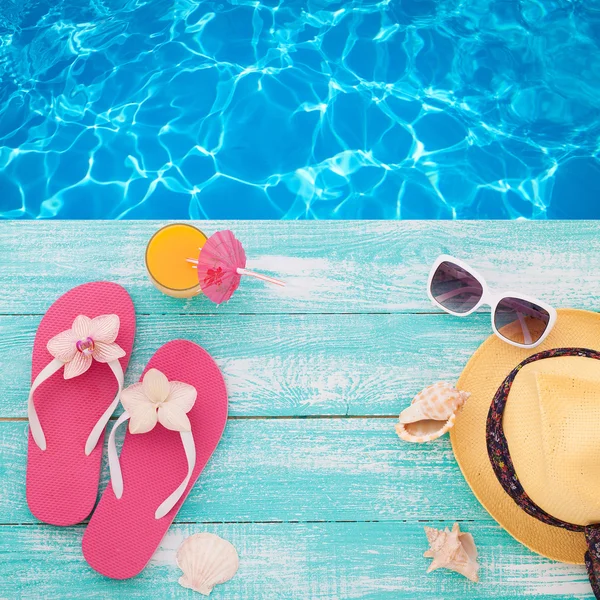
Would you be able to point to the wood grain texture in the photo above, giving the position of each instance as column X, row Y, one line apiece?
column 294, row 365
column 318, row 505
column 296, row 470
column 330, row 266
column 290, row 561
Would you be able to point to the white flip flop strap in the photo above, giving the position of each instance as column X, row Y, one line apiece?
column 115, row 367
column 116, row 476
column 190, row 453
column 34, row 422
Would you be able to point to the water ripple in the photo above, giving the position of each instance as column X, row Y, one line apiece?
column 300, row 109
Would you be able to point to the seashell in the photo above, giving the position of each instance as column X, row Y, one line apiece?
column 452, row 550
column 206, row 560
column 431, row 414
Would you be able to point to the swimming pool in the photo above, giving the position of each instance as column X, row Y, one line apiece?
column 289, row 109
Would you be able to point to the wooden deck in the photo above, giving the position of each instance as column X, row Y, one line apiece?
column 310, row 481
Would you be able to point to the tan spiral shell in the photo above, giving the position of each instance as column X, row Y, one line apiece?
column 431, row 414
column 452, row 550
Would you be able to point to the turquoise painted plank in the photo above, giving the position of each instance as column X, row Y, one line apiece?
column 328, row 470
column 288, row 364
column 330, row 266
column 296, row 470
column 293, row 561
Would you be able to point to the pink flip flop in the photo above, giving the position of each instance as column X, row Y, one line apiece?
column 177, row 413
column 81, row 349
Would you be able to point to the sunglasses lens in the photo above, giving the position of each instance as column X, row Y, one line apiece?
column 521, row 321
column 455, row 289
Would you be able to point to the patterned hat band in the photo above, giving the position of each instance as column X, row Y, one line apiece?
column 502, row 464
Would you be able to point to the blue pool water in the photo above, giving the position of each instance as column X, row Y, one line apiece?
column 300, row 109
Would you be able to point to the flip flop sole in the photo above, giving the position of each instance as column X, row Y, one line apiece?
column 123, row 534
column 62, row 482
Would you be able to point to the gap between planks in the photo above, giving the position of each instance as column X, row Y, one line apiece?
column 482, row 310
column 279, row 522
column 259, row 418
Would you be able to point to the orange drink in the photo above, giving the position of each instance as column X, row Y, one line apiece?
column 166, row 259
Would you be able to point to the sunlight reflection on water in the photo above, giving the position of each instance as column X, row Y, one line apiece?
column 312, row 109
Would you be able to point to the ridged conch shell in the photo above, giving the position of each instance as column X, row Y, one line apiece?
column 452, row 550
column 431, row 414
column 206, row 560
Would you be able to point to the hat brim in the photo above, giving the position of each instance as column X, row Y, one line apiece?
column 482, row 377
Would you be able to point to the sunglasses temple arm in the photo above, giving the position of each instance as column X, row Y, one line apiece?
column 526, row 334
column 456, row 292
column 531, row 312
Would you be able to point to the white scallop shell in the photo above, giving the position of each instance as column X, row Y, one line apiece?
column 206, row 560
column 431, row 414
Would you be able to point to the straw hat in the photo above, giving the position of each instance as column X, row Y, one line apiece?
column 552, row 427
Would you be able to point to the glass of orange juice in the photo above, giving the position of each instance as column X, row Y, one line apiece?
column 166, row 259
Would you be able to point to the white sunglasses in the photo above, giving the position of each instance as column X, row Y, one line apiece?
column 517, row 319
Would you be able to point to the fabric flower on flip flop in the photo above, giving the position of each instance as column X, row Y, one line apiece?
column 86, row 340
column 156, row 399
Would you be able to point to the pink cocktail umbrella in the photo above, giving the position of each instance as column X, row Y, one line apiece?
column 221, row 264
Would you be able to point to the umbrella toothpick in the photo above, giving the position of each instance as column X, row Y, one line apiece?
column 220, row 266
column 260, row 276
